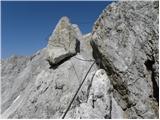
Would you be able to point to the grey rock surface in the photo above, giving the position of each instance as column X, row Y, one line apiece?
column 123, row 83
column 63, row 42
column 51, row 90
column 125, row 41
column 85, row 47
column 41, row 89
column 99, row 102
column 10, row 86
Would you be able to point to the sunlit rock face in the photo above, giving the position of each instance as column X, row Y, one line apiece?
column 122, row 84
column 63, row 42
column 40, row 87
column 125, row 41
column 99, row 98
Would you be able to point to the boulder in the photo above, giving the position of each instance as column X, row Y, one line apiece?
column 64, row 42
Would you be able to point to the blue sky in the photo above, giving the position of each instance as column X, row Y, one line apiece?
column 27, row 25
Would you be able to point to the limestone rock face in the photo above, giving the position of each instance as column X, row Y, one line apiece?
column 63, row 42
column 100, row 102
column 50, row 92
column 10, row 86
column 125, row 42
column 122, row 84
column 40, row 89
column 85, row 47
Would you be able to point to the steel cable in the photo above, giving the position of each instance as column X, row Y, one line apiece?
column 77, row 91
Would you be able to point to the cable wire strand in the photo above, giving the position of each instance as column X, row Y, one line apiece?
column 75, row 71
column 77, row 91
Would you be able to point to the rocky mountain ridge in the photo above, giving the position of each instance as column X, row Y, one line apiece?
column 123, row 82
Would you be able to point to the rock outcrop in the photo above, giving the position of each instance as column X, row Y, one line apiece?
column 11, row 82
column 124, row 82
column 99, row 98
column 125, row 41
column 44, row 87
column 63, row 43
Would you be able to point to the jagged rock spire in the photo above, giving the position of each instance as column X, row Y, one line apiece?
column 63, row 42
column 63, row 23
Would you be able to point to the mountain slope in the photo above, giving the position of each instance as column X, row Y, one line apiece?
column 124, row 79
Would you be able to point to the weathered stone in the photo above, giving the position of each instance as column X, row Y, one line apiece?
column 116, row 111
column 63, row 42
column 125, row 41
column 10, row 84
column 99, row 100
column 48, row 91
column 123, row 83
